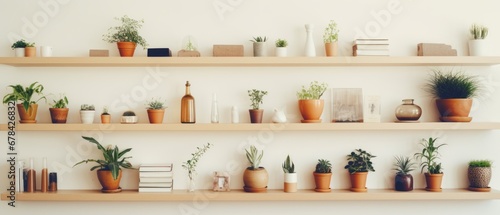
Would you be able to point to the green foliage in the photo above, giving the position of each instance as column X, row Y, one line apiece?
column 429, row 156
column 281, row 43
column 403, row 165
column 156, row 104
column 254, row 157
column 323, row 166
column 114, row 159
column 24, row 94
column 452, row 85
column 480, row 163
column 105, row 111
column 19, row 44
column 331, row 32
column 61, row 103
column 259, row 39
column 127, row 32
column 478, row 32
column 315, row 91
column 190, row 165
column 359, row 161
column 128, row 113
column 288, row 165
column 87, row 107
column 256, row 97
column 30, row 44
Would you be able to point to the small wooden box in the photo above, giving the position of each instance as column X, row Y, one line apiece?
column 184, row 53
column 99, row 53
column 228, row 51
column 435, row 49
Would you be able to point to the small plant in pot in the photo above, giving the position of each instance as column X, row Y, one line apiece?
column 126, row 36
column 259, row 46
column 156, row 111
column 129, row 117
column 477, row 44
column 281, row 50
column 403, row 181
column 105, row 116
column 429, row 156
column 190, row 165
column 28, row 107
column 453, row 92
column 323, row 175
column 256, row 97
column 479, row 175
column 255, row 177
column 30, row 50
column 290, row 185
column 19, row 48
column 109, row 170
column 330, row 38
column 310, row 103
column 359, row 164
column 87, row 113
column 59, row 110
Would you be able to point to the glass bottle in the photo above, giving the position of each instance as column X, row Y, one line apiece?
column 214, row 117
column 188, row 114
column 408, row 111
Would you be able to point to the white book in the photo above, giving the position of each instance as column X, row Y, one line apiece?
column 155, row 184
column 371, row 53
column 156, row 165
column 155, row 189
column 372, row 47
column 380, row 41
column 155, row 168
column 165, row 174
column 156, row 179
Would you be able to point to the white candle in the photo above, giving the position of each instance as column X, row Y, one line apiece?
column 45, row 163
column 31, row 163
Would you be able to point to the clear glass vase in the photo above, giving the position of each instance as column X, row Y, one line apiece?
column 191, row 184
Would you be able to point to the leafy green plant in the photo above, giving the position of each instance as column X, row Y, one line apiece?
column 452, row 85
column 30, row 44
column 156, row 104
column 128, row 31
column 25, row 94
column 429, row 156
column 281, row 43
column 190, row 165
column 259, row 39
column 331, row 32
column 480, row 163
column 288, row 166
column 114, row 159
column 128, row 113
column 315, row 91
column 359, row 161
column 105, row 111
column 61, row 103
column 323, row 166
column 254, row 157
column 256, row 97
column 85, row 107
column 19, row 44
column 403, row 165
column 478, row 32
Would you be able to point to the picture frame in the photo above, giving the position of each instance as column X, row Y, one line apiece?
column 221, row 181
column 347, row 104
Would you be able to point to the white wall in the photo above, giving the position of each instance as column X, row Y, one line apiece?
column 73, row 27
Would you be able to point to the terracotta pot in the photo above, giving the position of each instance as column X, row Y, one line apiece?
column 156, row 116
column 255, row 179
column 433, row 182
column 454, row 110
column 256, row 115
column 311, row 110
column 30, row 52
column 290, row 185
column 479, row 177
column 107, row 182
column 331, row 49
column 27, row 116
column 358, row 181
column 403, row 182
column 322, row 181
column 59, row 115
column 105, row 118
column 126, row 49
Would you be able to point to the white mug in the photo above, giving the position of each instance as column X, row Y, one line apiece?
column 46, row 51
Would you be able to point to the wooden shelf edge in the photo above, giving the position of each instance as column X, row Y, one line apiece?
column 270, row 195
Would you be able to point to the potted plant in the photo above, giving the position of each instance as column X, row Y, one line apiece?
column 428, row 157
column 59, row 110
column 323, row 175
column 87, row 113
column 281, row 45
column 109, row 170
column 255, row 177
column 190, row 165
column 477, row 45
column 330, row 38
column 453, row 92
column 259, row 46
column 256, row 97
column 358, row 164
column 156, row 111
column 30, row 50
column 105, row 116
column 129, row 117
column 19, row 47
column 126, row 36
column 290, row 185
column 28, row 107
column 310, row 102
column 479, row 175
column 403, row 181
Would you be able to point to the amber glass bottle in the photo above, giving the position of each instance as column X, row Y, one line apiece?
column 188, row 114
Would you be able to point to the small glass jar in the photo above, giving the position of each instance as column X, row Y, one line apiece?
column 408, row 111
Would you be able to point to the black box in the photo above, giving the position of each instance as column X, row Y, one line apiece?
column 159, row 52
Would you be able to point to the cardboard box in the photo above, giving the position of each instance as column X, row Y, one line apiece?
column 184, row 53
column 435, row 49
column 99, row 53
column 228, row 51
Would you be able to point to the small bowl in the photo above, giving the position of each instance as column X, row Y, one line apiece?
column 129, row 119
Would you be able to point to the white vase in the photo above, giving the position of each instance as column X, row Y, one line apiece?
column 290, row 185
column 281, row 52
column 46, row 51
column 478, row 48
column 19, row 52
column 259, row 49
column 87, row 116
column 310, row 49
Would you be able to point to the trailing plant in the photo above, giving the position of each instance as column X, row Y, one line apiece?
column 254, row 157
column 19, row 44
column 288, row 165
column 359, row 161
column 114, row 159
column 156, row 104
column 128, row 31
column 281, row 43
column 452, row 85
column 323, row 166
column 25, row 94
column 256, row 97
column 403, row 165
column 315, row 91
column 331, row 32
column 105, row 110
column 190, row 165
column 128, row 113
column 429, row 156
column 61, row 103
column 259, row 39
column 480, row 163
column 85, row 107
column 478, row 32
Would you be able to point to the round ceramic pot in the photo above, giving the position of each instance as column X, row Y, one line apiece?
column 281, row 52
column 478, row 48
column 311, row 109
column 108, row 183
column 19, row 52
column 403, row 182
column 322, row 181
column 87, row 116
column 255, row 180
column 408, row 111
column 59, row 115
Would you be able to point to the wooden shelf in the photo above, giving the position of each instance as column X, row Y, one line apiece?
column 248, row 61
column 270, row 195
column 388, row 126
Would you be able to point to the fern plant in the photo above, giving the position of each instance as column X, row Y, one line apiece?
column 288, row 165
column 429, row 156
column 254, row 157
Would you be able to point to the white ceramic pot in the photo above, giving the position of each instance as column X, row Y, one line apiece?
column 46, row 51
column 259, row 49
column 281, row 52
column 19, row 52
column 87, row 116
column 478, row 48
column 290, row 185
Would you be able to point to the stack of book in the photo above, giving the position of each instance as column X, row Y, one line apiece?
column 156, row 178
column 371, row 47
